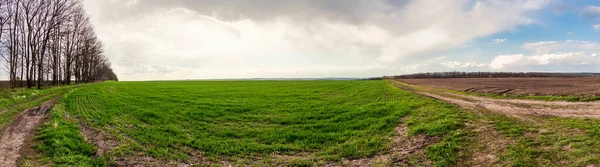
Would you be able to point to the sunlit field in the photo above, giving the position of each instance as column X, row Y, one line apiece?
column 246, row 121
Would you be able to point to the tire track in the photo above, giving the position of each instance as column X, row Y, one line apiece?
column 26, row 102
column 514, row 107
column 22, row 131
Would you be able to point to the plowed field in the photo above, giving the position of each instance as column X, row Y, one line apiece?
column 584, row 86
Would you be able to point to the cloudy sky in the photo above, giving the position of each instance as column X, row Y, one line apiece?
column 202, row 39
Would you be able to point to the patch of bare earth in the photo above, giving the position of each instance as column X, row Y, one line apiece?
column 406, row 150
column 103, row 143
column 107, row 143
column 146, row 161
column 514, row 107
column 490, row 143
column 20, row 132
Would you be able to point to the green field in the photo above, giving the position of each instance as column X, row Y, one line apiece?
column 294, row 123
column 247, row 122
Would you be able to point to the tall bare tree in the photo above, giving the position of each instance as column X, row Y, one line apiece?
column 45, row 40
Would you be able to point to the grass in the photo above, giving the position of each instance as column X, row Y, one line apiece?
column 557, row 142
column 528, row 97
column 539, row 141
column 12, row 107
column 12, row 102
column 231, row 120
column 60, row 141
column 21, row 95
column 313, row 122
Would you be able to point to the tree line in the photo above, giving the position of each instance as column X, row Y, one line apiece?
column 456, row 74
column 52, row 42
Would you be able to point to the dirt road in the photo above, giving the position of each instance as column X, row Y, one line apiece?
column 20, row 132
column 514, row 107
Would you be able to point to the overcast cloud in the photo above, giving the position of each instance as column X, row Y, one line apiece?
column 197, row 39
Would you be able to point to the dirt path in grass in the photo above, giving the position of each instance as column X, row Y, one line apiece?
column 21, row 131
column 405, row 150
column 490, row 144
column 106, row 143
column 25, row 102
column 514, row 107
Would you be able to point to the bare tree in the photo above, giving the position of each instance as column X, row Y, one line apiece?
column 456, row 74
column 45, row 40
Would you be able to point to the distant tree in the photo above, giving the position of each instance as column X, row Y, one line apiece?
column 456, row 74
column 373, row 78
column 106, row 73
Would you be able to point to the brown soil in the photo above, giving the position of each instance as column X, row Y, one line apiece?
column 405, row 150
column 20, row 132
column 581, row 86
column 107, row 143
column 146, row 161
column 491, row 144
column 98, row 138
column 513, row 107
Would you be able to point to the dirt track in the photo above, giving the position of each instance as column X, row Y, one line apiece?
column 21, row 131
column 513, row 107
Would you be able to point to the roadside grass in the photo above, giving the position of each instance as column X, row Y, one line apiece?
column 60, row 142
column 441, row 119
column 11, row 113
column 540, row 141
column 562, row 142
column 229, row 120
column 21, row 95
column 549, row 141
column 528, row 97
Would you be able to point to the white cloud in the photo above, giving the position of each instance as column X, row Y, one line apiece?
column 292, row 36
column 414, row 67
column 570, row 33
column 457, row 64
column 546, row 59
column 499, row 40
column 596, row 27
column 552, row 55
column 566, row 46
column 424, row 64
column 591, row 12
column 441, row 64
column 503, row 62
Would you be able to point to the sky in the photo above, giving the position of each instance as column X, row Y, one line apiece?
column 211, row 39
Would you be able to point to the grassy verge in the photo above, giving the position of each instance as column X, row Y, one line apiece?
column 541, row 141
column 11, row 113
column 60, row 143
column 544, row 98
column 558, row 142
column 548, row 141
column 446, row 121
column 21, row 95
